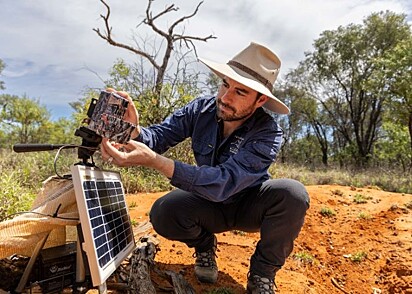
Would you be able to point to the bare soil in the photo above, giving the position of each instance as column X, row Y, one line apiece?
column 363, row 248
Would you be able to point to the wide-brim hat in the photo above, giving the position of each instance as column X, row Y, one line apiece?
column 256, row 67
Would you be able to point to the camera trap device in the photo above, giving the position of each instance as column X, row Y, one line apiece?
column 105, row 119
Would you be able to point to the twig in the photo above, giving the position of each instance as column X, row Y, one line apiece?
column 336, row 284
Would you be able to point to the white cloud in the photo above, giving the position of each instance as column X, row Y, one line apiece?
column 46, row 45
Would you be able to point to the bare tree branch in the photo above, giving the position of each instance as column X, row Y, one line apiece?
column 172, row 27
column 149, row 20
column 169, row 37
column 108, row 37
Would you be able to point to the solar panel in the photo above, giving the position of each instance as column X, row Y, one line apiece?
column 107, row 231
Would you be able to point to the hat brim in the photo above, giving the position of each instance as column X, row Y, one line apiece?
column 224, row 70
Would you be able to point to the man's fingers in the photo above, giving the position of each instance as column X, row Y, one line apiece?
column 107, row 148
column 129, row 146
column 123, row 94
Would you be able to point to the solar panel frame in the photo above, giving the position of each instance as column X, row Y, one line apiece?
column 104, row 217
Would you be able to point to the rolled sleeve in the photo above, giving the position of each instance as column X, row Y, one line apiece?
column 183, row 176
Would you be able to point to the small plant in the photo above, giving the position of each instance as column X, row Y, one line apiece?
column 337, row 192
column 221, row 291
column 364, row 215
column 359, row 198
column 133, row 204
column 358, row 256
column 304, row 257
column 134, row 222
column 239, row 233
column 328, row 212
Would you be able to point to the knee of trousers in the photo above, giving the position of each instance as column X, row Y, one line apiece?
column 166, row 219
column 293, row 196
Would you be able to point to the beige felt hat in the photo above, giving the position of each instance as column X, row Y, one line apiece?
column 255, row 67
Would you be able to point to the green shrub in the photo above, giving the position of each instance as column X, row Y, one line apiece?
column 364, row 215
column 14, row 196
column 359, row 198
column 23, row 174
column 391, row 180
column 358, row 256
column 328, row 212
column 304, row 257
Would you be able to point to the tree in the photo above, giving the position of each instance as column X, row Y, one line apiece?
column 161, row 93
column 24, row 120
column 397, row 68
column 62, row 132
column 393, row 148
column 341, row 74
column 152, row 108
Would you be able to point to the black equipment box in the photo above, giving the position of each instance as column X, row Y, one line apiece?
column 56, row 268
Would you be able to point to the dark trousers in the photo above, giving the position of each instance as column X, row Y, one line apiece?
column 277, row 208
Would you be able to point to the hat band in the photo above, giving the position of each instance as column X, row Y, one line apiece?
column 251, row 72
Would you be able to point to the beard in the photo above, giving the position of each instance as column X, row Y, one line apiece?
column 234, row 115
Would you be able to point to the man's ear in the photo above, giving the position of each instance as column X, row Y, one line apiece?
column 262, row 100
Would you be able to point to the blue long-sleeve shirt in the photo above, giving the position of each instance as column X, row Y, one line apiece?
column 225, row 167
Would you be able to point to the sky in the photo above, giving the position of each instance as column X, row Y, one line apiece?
column 53, row 55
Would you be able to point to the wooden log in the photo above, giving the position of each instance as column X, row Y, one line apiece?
column 180, row 285
column 141, row 261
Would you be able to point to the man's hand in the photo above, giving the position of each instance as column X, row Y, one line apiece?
column 135, row 154
column 131, row 115
column 131, row 154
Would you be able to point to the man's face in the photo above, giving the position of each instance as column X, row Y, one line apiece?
column 236, row 102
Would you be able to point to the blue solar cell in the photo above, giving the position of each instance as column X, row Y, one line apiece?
column 104, row 219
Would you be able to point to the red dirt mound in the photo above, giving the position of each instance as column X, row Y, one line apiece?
column 353, row 241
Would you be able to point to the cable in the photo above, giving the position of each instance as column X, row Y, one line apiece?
column 67, row 147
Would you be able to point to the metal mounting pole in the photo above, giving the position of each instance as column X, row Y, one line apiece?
column 103, row 288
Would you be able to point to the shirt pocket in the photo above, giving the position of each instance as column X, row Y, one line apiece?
column 203, row 152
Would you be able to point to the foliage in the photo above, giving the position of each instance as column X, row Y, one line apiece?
column 23, row 174
column 393, row 148
column 396, row 66
column 239, row 233
column 14, row 196
column 23, row 119
column 328, row 212
column 358, row 256
column 364, row 215
column 344, row 76
column 304, row 257
column 360, row 198
column 391, row 180
column 153, row 108
column 17, row 184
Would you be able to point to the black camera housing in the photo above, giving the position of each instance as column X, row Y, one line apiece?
column 105, row 119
